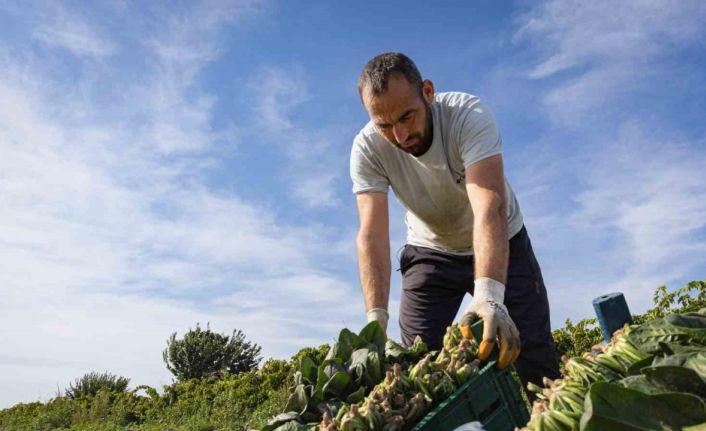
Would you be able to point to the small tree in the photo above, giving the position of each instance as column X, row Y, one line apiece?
column 205, row 353
column 91, row 383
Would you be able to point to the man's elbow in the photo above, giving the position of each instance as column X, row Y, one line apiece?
column 364, row 238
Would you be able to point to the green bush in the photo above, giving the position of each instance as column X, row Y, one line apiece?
column 58, row 413
column 21, row 416
column 272, row 407
column 575, row 339
column 203, row 354
column 92, row 382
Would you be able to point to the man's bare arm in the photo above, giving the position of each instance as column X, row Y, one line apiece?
column 485, row 185
column 373, row 243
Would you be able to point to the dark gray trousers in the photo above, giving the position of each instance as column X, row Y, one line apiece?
column 434, row 284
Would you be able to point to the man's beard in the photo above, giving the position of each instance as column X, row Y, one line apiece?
column 423, row 140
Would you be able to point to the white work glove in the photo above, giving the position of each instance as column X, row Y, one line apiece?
column 471, row 426
column 487, row 304
column 379, row 314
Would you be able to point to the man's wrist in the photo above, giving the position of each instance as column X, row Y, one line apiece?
column 486, row 288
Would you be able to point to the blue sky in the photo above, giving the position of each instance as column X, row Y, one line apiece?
column 183, row 162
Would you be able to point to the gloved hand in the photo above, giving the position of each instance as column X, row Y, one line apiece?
column 379, row 314
column 487, row 304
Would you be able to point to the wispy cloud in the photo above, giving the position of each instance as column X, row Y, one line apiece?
column 279, row 92
column 315, row 166
column 62, row 28
column 606, row 49
column 178, row 109
column 619, row 200
column 650, row 190
column 109, row 220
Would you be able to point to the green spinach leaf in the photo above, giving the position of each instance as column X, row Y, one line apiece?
column 610, row 407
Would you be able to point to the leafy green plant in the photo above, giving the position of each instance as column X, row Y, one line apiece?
column 352, row 366
column 56, row 414
column 246, row 400
column 369, row 383
column 89, row 384
column 611, row 407
column 689, row 298
column 574, row 339
column 651, row 376
column 203, row 353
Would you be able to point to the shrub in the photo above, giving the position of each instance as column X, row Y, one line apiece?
column 91, row 383
column 205, row 353
column 575, row 339
column 274, row 405
column 57, row 413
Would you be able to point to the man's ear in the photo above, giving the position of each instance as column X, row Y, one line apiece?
column 428, row 91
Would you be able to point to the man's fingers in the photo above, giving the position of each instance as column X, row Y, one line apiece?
column 516, row 353
column 468, row 318
column 506, row 353
column 490, row 331
column 517, row 344
column 485, row 349
column 465, row 324
column 509, row 358
column 466, row 332
column 507, row 345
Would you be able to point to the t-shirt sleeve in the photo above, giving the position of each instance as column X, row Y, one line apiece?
column 479, row 135
column 366, row 173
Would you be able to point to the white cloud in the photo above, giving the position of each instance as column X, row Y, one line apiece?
column 318, row 189
column 279, row 92
column 573, row 33
column 613, row 196
column 650, row 189
column 69, row 30
column 607, row 48
column 633, row 218
column 315, row 165
column 189, row 40
column 112, row 239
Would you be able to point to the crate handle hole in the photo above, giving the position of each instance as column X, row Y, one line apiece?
column 489, row 410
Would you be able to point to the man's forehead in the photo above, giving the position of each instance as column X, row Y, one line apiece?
column 397, row 86
column 397, row 97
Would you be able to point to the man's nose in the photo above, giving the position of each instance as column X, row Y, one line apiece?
column 401, row 132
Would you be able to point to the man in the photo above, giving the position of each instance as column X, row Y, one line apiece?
column 441, row 155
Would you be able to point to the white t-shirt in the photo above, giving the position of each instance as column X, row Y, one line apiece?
column 432, row 186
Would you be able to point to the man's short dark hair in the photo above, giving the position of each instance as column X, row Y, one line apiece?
column 378, row 70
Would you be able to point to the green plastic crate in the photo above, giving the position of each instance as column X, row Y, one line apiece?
column 491, row 397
